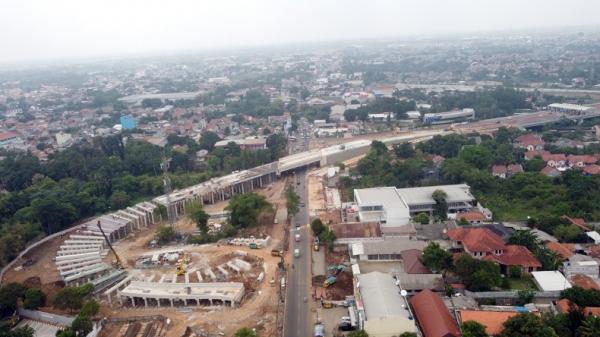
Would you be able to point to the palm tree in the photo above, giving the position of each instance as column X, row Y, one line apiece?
column 525, row 238
column 590, row 327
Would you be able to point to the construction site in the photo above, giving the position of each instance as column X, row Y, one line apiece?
column 190, row 287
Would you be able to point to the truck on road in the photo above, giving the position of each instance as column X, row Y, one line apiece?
column 319, row 330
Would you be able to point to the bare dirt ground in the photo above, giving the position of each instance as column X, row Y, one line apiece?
column 42, row 274
column 316, row 196
column 257, row 309
column 259, row 305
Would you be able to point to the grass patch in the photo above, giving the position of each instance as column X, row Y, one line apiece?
column 523, row 283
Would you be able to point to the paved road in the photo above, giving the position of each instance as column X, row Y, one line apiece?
column 298, row 317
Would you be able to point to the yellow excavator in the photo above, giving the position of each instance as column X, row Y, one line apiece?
column 117, row 263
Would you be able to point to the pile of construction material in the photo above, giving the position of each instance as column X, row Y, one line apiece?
column 258, row 242
column 79, row 259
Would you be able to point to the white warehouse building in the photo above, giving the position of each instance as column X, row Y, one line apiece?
column 393, row 207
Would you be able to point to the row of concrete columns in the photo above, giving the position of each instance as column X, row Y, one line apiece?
column 150, row 301
column 225, row 192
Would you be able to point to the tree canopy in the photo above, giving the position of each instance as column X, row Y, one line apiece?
column 245, row 332
column 436, row 258
column 246, row 208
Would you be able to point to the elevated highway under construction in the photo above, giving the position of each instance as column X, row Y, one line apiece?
column 223, row 188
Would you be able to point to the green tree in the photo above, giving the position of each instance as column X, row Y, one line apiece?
column 245, row 332
column 440, row 209
column 477, row 156
column 9, row 294
column 327, row 236
column 119, row 200
column 82, row 326
column 534, row 165
column 525, row 296
column 379, row 147
column 514, row 271
column 526, row 325
column 478, row 275
column 404, row 150
column 292, row 201
column 408, row 334
column 25, row 331
column 53, row 214
column 566, row 233
column 358, row 333
column 436, row 258
column 590, row 327
column 246, row 208
column 422, row 218
column 90, row 308
column 208, row 140
column 72, row 298
column 34, row 298
column 164, row 234
column 582, row 297
column 549, row 259
column 277, row 144
column 525, row 238
column 317, row 227
column 197, row 214
column 473, row 329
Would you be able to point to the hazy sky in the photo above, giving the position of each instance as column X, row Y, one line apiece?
column 50, row 29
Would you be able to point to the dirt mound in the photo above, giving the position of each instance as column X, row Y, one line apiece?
column 342, row 287
column 33, row 282
column 318, row 280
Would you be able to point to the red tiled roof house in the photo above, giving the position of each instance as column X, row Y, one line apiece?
column 530, row 142
column 482, row 243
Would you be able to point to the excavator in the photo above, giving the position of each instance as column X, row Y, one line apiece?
column 117, row 263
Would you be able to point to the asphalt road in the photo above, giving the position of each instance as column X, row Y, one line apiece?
column 298, row 318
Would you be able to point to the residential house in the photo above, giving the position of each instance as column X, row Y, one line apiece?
column 492, row 320
column 556, row 160
column 550, row 172
column 579, row 222
column 585, row 282
column 433, row 316
column 473, row 217
column 416, row 276
column 499, row 171
column 581, row 160
column 515, row 255
column 535, row 153
column 505, row 171
column 564, row 306
column 482, row 243
column 388, row 249
column 530, row 142
column 564, row 250
column 244, row 144
column 411, row 259
column 591, row 170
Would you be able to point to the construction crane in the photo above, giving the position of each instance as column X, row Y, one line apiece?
column 119, row 263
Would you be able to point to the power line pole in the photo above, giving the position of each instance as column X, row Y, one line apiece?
column 164, row 165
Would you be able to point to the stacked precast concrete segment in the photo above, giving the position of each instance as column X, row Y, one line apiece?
column 79, row 258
